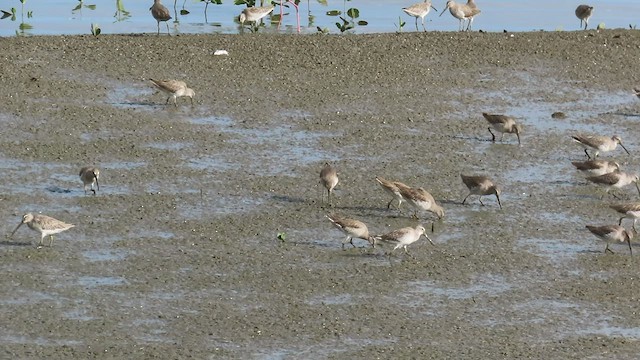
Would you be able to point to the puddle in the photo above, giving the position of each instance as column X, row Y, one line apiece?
column 92, row 281
column 557, row 251
column 483, row 285
column 105, row 255
column 612, row 331
column 213, row 204
column 273, row 149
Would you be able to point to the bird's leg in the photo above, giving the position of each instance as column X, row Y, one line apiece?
column 423, row 28
column 586, row 152
column 352, row 244
column 415, row 214
column 493, row 137
column 50, row 240
column 389, row 204
column 166, row 22
column 169, row 98
column 159, row 28
column 416, row 24
column 607, row 249
column 480, row 199
column 620, row 222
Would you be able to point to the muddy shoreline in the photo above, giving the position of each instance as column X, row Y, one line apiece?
column 178, row 257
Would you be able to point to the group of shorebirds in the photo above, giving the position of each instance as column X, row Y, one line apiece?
column 608, row 174
column 417, row 197
column 600, row 172
column 463, row 12
column 48, row 226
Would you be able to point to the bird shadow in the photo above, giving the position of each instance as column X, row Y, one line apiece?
column 57, row 190
column 13, row 243
column 288, row 199
column 618, row 113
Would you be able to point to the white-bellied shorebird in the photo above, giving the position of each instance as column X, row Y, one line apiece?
column 419, row 10
column 403, row 237
column 596, row 167
column 583, row 12
column 392, row 189
column 599, row 143
column 462, row 12
column 629, row 211
column 420, row 199
column 328, row 179
column 160, row 13
column 254, row 14
column 615, row 180
column 481, row 186
column 352, row 228
column 89, row 176
column 45, row 225
column 636, row 92
column 503, row 124
column 175, row 89
column 612, row 233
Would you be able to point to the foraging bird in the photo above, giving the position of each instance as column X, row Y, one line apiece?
column 462, row 12
column 629, row 211
column 391, row 188
column 352, row 228
column 403, row 237
column 45, row 225
column 612, row 233
column 420, row 10
column 503, row 124
column 89, row 176
column 598, row 143
column 420, row 199
column 175, row 89
column 480, row 185
column 328, row 179
column 253, row 14
column 615, row 180
column 160, row 13
column 596, row 167
column 583, row 12
column 636, row 92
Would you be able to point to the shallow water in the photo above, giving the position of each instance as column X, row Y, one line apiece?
column 59, row 17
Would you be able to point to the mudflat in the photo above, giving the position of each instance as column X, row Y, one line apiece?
column 208, row 236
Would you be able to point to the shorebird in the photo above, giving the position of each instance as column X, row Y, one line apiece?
column 583, row 12
column 420, row 10
column 596, row 167
column 352, row 228
column 175, row 89
column 328, row 179
column 254, row 14
column 612, row 233
column 462, row 12
column 420, row 199
column 629, row 211
column 503, row 124
column 480, row 185
column 391, row 188
column 403, row 237
column 45, row 225
column 160, row 13
column 636, row 92
column 89, row 176
column 599, row 143
column 615, row 180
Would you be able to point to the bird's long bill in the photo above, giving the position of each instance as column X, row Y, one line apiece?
column 445, row 9
column 16, row 229
column 629, row 242
column 625, row 149
column 638, row 188
column 437, row 11
column 500, row 204
column 97, row 183
column 518, row 135
column 425, row 235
